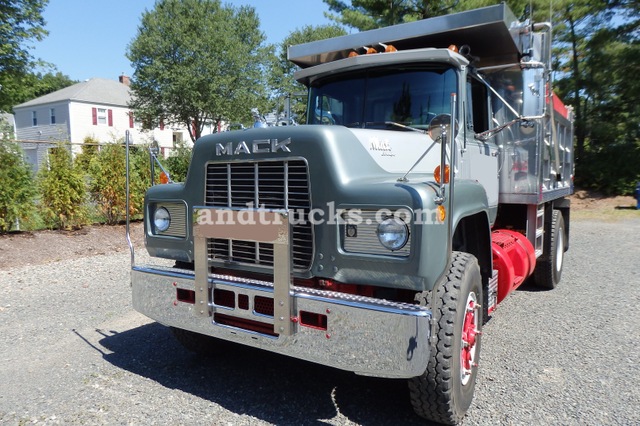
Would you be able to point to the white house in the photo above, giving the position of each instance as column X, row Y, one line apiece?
column 97, row 108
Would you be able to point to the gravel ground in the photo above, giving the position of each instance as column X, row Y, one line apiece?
column 72, row 351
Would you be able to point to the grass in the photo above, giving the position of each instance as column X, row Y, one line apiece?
column 607, row 214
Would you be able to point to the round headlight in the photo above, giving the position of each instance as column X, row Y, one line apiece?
column 393, row 233
column 161, row 219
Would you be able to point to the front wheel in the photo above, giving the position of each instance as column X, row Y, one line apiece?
column 444, row 392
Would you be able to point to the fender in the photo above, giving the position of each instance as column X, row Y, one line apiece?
column 472, row 218
column 469, row 199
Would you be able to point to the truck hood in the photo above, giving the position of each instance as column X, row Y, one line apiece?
column 396, row 151
column 353, row 153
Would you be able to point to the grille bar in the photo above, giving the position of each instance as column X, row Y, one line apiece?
column 276, row 184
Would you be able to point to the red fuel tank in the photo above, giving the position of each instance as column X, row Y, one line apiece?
column 513, row 257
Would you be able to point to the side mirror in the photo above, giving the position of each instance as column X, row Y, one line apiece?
column 439, row 125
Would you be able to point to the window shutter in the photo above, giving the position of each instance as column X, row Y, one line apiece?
column 94, row 115
column 161, row 124
column 131, row 119
column 110, row 112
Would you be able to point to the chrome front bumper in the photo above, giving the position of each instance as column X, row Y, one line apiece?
column 365, row 335
column 368, row 336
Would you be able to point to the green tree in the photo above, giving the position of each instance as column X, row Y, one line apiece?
column 596, row 46
column 369, row 14
column 17, row 191
column 281, row 72
column 577, row 21
column 197, row 62
column 608, row 93
column 21, row 87
column 62, row 191
column 20, row 22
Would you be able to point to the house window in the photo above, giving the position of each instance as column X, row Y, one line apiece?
column 34, row 118
column 102, row 116
column 52, row 115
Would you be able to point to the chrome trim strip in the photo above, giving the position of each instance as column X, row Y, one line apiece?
column 364, row 335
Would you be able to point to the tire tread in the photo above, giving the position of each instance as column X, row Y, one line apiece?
column 544, row 273
column 431, row 393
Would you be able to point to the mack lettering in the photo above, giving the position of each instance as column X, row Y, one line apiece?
column 257, row 146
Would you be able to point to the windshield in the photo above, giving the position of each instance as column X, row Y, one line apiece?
column 375, row 98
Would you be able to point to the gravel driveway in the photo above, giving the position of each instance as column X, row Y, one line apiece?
column 72, row 351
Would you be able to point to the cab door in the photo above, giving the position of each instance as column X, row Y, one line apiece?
column 481, row 158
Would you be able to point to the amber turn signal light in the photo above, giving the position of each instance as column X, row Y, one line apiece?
column 164, row 178
column 447, row 171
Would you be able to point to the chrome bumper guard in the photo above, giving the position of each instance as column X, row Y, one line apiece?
column 368, row 336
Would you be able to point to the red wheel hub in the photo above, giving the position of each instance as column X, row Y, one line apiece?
column 469, row 339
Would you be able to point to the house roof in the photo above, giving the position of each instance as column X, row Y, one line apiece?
column 95, row 90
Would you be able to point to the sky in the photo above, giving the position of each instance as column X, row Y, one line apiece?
column 89, row 38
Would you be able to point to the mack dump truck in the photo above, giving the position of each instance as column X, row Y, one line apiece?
column 429, row 181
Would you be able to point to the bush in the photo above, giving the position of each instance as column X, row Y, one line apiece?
column 178, row 162
column 17, row 189
column 89, row 151
column 107, row 181
column 62, row 190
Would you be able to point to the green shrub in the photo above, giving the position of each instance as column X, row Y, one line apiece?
column 89, row 151
column 140, row 172
column 178, row 162
column 107, row 181
column 17, row 189
column 62, row 191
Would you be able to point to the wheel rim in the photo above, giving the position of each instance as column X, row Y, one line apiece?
column 559, row 250
column 469, row 339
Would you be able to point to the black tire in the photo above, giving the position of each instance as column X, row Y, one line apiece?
column 548, row 270
column 444, row 392
column 196, row 342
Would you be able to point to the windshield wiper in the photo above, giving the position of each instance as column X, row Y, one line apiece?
column 385, row 124
column 405, row 127
column 354, row 124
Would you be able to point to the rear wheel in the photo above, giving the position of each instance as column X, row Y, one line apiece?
column 444, row 392
column 548, row 270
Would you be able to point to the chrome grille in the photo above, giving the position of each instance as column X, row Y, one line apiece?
column 263, row 184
